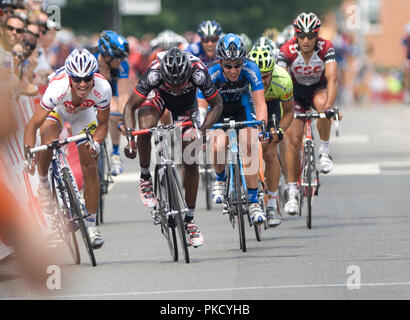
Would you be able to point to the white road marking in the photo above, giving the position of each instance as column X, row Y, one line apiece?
column 213, row 290
column 350, row 139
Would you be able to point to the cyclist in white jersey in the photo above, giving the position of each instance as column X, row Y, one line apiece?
column 70, row 97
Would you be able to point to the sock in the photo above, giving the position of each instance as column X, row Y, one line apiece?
column 221, row 176
column 116, row 149
column 272, row 197
column 253, row 195
column 293, row 187
column 145, row 173
column 324, row 147
column 91, row 219
column 189, row 217
column 44, row 182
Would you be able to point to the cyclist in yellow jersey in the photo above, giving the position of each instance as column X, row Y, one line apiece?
column 279, row 99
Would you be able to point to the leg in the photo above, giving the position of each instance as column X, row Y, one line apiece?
column 294, row 136
column 49, row 131
column 148, row 117
column 323, row 126
column 116, row 161
column 218, row 142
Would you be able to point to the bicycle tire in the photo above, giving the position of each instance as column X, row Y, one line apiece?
column 66, row 224
column 207, row 184
column 77, row 212
column 167, row 222
column 309, row 190
column 101, row 168
column 239, row 207
column 178, row 204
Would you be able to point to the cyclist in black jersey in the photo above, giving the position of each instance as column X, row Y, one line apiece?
column 171, row 82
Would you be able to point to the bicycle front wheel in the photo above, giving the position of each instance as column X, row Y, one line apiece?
column 178, row 205
column 309, row 179
column 66, row 225
column 76, row 212
column 239, row 207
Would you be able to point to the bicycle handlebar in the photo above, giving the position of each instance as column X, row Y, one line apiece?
column 322, row 115
column 232, row 124
column 56, row 144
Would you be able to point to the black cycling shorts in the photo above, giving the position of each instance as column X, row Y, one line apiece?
column 303, row 95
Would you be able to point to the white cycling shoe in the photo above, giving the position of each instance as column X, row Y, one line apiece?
column 292, row 205
column 256, row 212
column 46, row 201
column 116, row 165
column 274, row 218
column 218, row 192
column 95, row 237
column 325, row 163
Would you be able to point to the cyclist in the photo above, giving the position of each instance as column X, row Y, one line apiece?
column 111, row 53
column 171, row 82
column 278, row 89
column 240, row 84
column 312, row 64
column 72, row 92
column 406, row 82
column 210, row 32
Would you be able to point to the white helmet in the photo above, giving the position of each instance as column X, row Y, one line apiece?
column 81, row 63
column 307, row 22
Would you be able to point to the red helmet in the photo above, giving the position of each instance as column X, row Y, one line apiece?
column 307, row 22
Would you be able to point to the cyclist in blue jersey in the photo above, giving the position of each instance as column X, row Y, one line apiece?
column 210, row 32
column 111, row 54
column 240, row 85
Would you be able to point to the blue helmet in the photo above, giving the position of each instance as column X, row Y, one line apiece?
column 230, row 47
column 209, row 28
column 112, row 44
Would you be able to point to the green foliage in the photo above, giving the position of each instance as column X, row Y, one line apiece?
column 248, row 16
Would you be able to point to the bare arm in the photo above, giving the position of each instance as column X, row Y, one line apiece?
column 213, row 115
column 260, row 105
column 129, row 110
column 288, row 110
column 123, row 92
column 40, row 115
column 103, row 117
column 331, row 77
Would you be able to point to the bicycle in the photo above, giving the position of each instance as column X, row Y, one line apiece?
column 309, row 182
column 171, row 204
column 71, row 211
column 236, row 199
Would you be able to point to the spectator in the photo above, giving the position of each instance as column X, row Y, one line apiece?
column 62, row 49
column 13, row 32
column 6, row 9
column 406, row 64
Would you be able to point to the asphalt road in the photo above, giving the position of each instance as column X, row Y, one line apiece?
column 358, row 247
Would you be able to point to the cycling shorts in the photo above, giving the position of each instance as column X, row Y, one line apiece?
column 79, row 121
column 304, row 95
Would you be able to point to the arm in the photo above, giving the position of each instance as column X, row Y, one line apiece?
column 331, row 77
column 40, row 115
column 103, row 117
column 288, row 110
column 213, row 115
column 129, row 110
column 123, row 92
column 260, row 105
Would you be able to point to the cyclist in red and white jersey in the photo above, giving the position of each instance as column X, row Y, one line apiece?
column 311, row 61
column 72, row 93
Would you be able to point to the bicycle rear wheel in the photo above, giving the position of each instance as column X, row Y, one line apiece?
column 207, row 181
column 76, row 212
column 66, row 225
column 239, row 206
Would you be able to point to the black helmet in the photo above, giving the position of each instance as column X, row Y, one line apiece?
column 175, row 67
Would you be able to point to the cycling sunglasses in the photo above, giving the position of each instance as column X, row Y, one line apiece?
column 85, row 79
column 310, row 35
column 229, row 66
column 213, row 39
column 18, row 30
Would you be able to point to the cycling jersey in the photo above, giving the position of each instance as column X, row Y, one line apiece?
column 237, row 94
column 180, row 101
column 197, row 50
column 199, row 78
column 311, row 73
column 121, row 73
column 281, row 86
column 58, row 93
column 280, row 89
